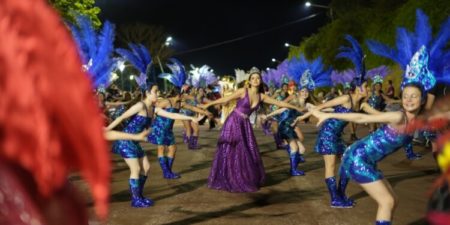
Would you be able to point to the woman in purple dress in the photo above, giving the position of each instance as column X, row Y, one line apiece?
column 237, row 166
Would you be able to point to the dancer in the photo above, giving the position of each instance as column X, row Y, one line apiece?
column 360, row 159
column 141, row 114
column 313, row 75
column 237, row 165
column 188, row 127
column 162, row 134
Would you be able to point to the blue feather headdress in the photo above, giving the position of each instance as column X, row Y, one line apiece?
column 344, row 78
column 95, row 49
column 417, row 71
column 274, row 78
column 378, row 74
column 307, row 74
column 408, row 42
column 178, row 75
column 140, row 58
column 356, row 55
column 201, row 77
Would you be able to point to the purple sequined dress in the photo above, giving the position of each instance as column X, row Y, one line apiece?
column 237, row 165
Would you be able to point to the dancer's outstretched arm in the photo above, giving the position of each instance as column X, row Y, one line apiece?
column 196, row 109
column 175, row 116
column 274, row 113
column 130, row 112
column 238, row 94
column 271, row 101
column 387, row 117
column 368, row 109
column 327, row 106
column 113, row 135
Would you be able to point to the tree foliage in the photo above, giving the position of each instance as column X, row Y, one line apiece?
column 367, row 19
column 152, row 37
column 68, row 8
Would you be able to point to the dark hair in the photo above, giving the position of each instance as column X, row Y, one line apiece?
column 173, row 92
column 261, row 85
column 423, row 93
column 390, row 81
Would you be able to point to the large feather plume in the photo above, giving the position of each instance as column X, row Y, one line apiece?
column 356, row 55
column 95, row 49
column 381, row 71
column 408, row 42
column 320, row 75
column 344, row 77
column 178, row 75
column 241, row 75
column 201, row 77
column 139, row 56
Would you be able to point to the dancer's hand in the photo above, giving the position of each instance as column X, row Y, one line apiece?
column 320, row 115
column 143, row 135
column 263, row 117
column 197, row 119
column 203, row 106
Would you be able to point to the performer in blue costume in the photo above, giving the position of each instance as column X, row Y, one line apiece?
column 413, row 40
column 162, row 133
column 310, row 75
column 360, row 159
column 141, row 114
column 329, row 142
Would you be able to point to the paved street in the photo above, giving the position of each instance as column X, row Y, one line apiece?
column 283, row 199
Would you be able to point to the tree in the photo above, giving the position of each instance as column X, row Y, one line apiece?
column 69, row 8
column 368, row 19
column 152, row 37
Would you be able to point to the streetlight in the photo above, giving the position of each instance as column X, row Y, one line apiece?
column 287, row 45
column 309, row 4
column 166, row 43
column 267, row 68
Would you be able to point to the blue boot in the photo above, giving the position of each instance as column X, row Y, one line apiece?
column 136, row 200
column 169, row 164
column 301, row 159
column 142, row 180
column 294, row 158
column 193, row 143
column 185, row 138
column 341, row 190
column 165, row 168
column 383, row 222
column 288, row 149
column 336, row 200
column 410, row 154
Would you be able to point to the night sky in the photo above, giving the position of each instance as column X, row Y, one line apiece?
column 194, row 24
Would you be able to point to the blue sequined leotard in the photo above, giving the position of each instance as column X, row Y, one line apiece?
column 376, row 102
column 360, row 159
column 329, row 141
column 162, row 133
column 132, row 149
column 188, row 112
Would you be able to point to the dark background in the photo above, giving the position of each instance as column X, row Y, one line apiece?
column 195, row 24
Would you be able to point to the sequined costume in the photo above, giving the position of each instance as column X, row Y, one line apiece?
column 132, row 149
column 237, row 165
column 162, row 133
column 118, row 111
column 376, row 102
column 329, row 140
column 285, row 130
column 360, row 159
column 188, row 112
